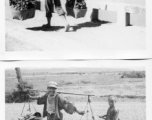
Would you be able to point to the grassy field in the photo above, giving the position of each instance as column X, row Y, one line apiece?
column 98, row 82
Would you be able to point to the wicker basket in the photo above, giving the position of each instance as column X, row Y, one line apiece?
column 80, row 13
column 77, row 13
column 22, row 14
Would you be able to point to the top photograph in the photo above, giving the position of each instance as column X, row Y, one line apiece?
column 75, row 25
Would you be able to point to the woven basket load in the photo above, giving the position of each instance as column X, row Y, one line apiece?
column 80, row 13
column 22, row 9
column 76, row 8
column 70, row 108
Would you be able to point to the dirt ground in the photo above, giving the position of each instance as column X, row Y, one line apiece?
column 29, row 35
column 127, row 110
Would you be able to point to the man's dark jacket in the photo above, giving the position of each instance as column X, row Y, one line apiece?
column 60, row 103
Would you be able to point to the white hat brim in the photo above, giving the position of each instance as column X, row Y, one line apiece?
column 53, row 86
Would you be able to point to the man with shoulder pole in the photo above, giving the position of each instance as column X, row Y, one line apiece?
column 54, row 103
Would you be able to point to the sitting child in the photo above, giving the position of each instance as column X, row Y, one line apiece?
column 112, row 113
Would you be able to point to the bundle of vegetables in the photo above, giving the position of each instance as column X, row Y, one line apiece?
column 80, row 4
column 22, row 4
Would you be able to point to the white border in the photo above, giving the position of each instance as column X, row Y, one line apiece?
column 104, row 54
column 147, row 64
column 116, row 64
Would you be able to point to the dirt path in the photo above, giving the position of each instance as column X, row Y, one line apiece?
column 28, row 35
column 128, row 110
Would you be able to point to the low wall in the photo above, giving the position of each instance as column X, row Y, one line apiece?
column 123, row 14
column 111, row 16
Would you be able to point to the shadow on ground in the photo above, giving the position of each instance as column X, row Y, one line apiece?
column 75, row 28
column 89, row 24
column 40, row 28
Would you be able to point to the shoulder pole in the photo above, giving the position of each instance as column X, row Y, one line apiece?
column 62, row 92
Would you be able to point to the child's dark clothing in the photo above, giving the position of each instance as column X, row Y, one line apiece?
column 112, row 114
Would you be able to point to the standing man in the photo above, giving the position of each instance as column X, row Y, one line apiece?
column 54, row 103
column 49, row 7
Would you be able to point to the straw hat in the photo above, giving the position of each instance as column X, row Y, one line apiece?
column 112, row 98
column 52, row 84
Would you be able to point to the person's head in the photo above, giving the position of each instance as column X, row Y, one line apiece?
column 111, row 101
column 52, row 87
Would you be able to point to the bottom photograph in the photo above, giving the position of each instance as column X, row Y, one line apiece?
column 75, row 91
